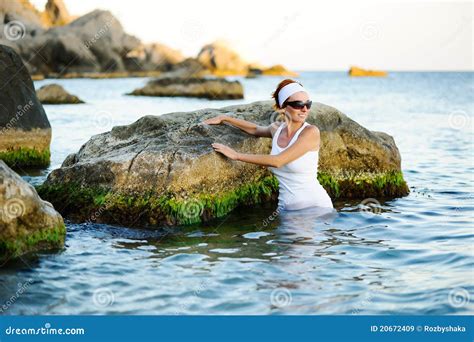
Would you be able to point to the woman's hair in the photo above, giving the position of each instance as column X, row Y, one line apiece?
column 277, row 90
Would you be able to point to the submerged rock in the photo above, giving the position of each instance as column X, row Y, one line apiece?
column 162, row 169
column 27, row 222
column 56, row 94
column 24, row 127
column 212, row 89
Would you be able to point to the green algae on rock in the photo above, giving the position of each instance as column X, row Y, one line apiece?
column 163, row 170
column 24, row 126
column 28, row 223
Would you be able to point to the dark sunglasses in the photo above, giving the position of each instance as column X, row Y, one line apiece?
column 300, row 104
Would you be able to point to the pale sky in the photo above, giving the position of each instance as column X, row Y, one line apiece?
column 307, row 34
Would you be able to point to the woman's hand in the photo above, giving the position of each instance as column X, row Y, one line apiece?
column 215, row 121
column 226, row 151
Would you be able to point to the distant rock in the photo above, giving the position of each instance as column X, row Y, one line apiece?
column 56, row 13
column 359, row 72
column 222, row 60
column 27, row 223
column 24, row 127
column 56, row 94
column 162, row 169
column 153, row 57
column 212, row 89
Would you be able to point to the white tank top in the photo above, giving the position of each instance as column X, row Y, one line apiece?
column 299, row 187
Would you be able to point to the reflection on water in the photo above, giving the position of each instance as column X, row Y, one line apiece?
column 411, row 255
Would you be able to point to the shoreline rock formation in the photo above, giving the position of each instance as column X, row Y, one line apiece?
column 359, row 72
column 212, row 89
column 56, row 94
column 24, row 127
column 27, row 224
column 163, row 170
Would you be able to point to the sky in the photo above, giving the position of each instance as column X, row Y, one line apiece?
column 307, row 34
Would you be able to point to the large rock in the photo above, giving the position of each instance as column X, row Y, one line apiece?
column 56, row 13
column 56, row 94
column 92, row 43
column 222, row 60
column 162, row 169
column 212, row 89
column 24, row 127
column 153, row 57
column 27, row 223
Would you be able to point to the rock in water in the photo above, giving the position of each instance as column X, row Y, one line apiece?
column 163, row 170
column 24, row 126
column 27, row 222
column 212, row 89
column 55, row 94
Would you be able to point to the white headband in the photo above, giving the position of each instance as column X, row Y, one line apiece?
column 289, row 90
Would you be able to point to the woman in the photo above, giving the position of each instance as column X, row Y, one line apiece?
column 295, row 149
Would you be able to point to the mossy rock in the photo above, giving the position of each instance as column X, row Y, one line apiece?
column 158, row 169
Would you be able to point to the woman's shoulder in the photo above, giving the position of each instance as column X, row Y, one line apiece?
column 311, row 130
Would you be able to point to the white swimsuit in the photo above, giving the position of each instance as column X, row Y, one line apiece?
column 299, row 186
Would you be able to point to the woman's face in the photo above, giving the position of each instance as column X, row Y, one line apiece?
column 297, row 115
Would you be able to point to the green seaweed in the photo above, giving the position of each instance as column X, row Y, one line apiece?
column 101, row 205
column 26, row 157
column 46, row 238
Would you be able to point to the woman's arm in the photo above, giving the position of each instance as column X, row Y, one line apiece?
column 247, row 127
column 308, row 141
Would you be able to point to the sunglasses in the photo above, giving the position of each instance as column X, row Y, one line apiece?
column 300, row 104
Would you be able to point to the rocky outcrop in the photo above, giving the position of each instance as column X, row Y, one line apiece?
column 27, row 223
column 212, row 89
column 153, row 57
column 95, row 42
column 56, row 94
column 359, row 72
column 24, row 127
column 56, row 13
column 221, row 60
column 163, row 170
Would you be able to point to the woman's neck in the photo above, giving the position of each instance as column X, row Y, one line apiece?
column 293, row 126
